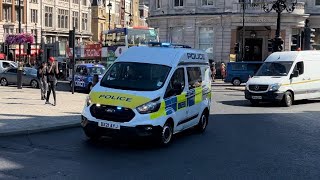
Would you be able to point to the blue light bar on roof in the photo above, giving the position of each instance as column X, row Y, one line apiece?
column 166, row 44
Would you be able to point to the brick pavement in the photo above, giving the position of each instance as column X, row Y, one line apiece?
column 22, row 111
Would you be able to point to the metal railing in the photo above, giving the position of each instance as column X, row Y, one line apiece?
column 257, row 8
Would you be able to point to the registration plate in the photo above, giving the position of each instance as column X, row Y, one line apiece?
column 256, row 97
column 110, row 125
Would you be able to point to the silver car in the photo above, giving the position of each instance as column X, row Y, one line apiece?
column 29, row 77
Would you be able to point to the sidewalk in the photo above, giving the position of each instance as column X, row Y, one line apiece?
column 22, row 111
column 228, row 86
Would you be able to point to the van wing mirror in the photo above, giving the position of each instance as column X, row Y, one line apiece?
column 295, row 73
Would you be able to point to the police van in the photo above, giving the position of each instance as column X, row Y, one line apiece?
column 84, row 76
column 153, row 92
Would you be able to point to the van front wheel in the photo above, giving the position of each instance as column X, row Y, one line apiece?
column 287, row 99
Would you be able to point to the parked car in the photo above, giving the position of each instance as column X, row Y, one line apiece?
column 29, row 77
column 4, row 64
column 239, row 72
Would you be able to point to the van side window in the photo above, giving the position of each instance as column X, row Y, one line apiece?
column 6, row 65
column 194, row 77
column 78, row 69
column 177, row 79
column 300, row 67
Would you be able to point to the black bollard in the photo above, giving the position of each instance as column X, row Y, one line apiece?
column 19, row 75
column 95, row 79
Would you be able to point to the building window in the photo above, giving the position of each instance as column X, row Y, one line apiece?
column 207, row 2
column 63, row 18
column 75, row 1
column 206, row 40
column 84, row 2
column 17, row 14
column 84, row 21
column 317, row 39
column 176, row 35
column 317, row 2
column 34, row 1
column 158, row 4
column 75, row 19
column 34, row 15
column 7, row 13
column 178, row 3
column 48, row 16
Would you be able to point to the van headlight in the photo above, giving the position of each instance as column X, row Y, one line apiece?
column 88, row 101
column 149, row 107
column 274, row 87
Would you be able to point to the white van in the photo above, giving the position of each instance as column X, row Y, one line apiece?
column 286, row 77
column 150, row 91
column 4, row 64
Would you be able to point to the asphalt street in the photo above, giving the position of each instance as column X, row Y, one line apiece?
column 241, row 142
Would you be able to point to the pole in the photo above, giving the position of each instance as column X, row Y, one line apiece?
column 20, row 68
column 109, row 15
column 243, row 29
column 73, row 58
column 278, row 25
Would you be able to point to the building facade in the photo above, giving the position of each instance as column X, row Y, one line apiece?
column 123, row 13
column 48, row 20
column 216, row 25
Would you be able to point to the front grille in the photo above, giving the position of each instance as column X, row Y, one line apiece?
column 112, row 113
column 258, row 87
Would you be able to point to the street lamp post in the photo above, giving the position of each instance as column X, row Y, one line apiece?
column 109, row 22
column 279, row 6
column 19, row 72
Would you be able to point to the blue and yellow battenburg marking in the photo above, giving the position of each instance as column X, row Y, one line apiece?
column 176, row 103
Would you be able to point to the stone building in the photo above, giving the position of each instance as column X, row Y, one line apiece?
column 216, row 25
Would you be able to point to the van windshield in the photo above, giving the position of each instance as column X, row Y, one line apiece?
column 135, row 76
column 274, row 68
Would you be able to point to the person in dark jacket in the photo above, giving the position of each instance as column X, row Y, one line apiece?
column 52, row 72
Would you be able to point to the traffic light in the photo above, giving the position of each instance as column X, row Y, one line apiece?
column 296, row 43
column 236, row 48
column 71, row 38
column 270, row 45
column 308, row 38
column 28, row 48
column 278, row 45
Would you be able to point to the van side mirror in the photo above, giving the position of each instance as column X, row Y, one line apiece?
column 295, row 73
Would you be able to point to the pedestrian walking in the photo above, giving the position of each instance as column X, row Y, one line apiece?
column 43, row 80
column 223, row 71
column 213, row 71
column 52, row 72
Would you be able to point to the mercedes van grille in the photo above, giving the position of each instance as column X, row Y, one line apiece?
column 112, row 113
column 258, row 87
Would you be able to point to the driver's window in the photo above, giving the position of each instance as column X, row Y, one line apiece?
column 78, row 69
column 177, row 79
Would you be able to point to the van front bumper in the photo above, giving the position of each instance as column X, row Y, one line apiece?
column 124, row 131
column 267, row 96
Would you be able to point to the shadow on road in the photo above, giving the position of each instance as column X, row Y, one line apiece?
column 247, row 103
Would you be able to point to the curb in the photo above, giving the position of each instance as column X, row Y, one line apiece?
column 40, row 129
column 236, row 89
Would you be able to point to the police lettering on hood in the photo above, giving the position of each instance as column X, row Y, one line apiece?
column 195, row 56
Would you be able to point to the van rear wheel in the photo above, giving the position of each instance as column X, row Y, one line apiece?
column 287, row 100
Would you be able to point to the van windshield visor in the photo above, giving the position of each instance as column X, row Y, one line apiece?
column 274, row 69
column 96, row 70
column 135, row 76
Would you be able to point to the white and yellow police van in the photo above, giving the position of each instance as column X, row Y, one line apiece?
column 151, row 91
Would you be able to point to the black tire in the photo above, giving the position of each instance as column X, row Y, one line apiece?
column 236, row 82
column 203, row 122
column 4, row 82
column 287, row 100
column 166, row 134
column 254, row 102
column 34, row 84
